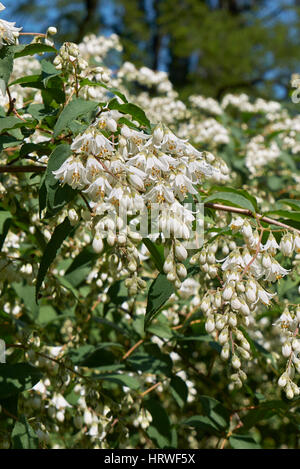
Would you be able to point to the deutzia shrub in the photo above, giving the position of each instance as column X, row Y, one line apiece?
column 149, row 257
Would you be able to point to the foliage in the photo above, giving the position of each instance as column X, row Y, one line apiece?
column 122, row 340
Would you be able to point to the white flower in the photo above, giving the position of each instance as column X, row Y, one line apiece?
column 264, row 296
column 287, row 244
column 136, row 177
column 92, row 142
column 271, row 245
column 196, row 168
column 182, row 185
column 286, row 349
column 286, row 321
column 275, row 272
column 236, row 223
column 160, row 193
column 98, row 188
column 93, row 168
column 135, row 139
column 228, row 291
column 8, row 32
column 232, row 260
column 108, row 119
column 72, row 172
column 210, row 324
column 148, row 161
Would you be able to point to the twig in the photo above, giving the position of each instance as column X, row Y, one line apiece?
column 33, row 34
column 22, row 169
column 248, row 213
column 255, row 254
column 135, row 346
column 87, row 204
column 151, row 389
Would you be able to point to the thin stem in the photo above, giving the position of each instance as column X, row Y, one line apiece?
column 151, row 389
column 22, row 169
column 33, row 34
column 255, row 255
column 135, row 346
column 248, row 213
column 86, row 202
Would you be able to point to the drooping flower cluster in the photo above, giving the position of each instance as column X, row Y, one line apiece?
column 135, row 170
column 8, row 32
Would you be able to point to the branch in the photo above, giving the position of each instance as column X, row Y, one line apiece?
column 248, row 213
column 22, row 169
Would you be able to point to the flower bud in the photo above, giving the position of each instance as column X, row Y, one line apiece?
column 98, row 244
column 232, row 320
column 73, row 217
column 286, row 245
column 168, row 265
column 289, row 391
column 223, row 337
column 247, row 230
column 228, row 291
column 286, row 349
column 225, row 352
column 51, row 31
column 181, row 271
column 180, row 252
column 236, row 363
column 205, row 304
column 211, row 259
column 210, row 324
column 221, row 321
column 218, row 300
column 235, row 303
column 296, row 345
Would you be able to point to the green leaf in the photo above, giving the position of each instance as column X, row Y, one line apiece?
column 147, row 364
column 232, row 197
column 5, row 222
column 157, row 253
column 9, row 141
column 4, row 216
column 215, row 411
column 39, row 111
column 76, row 108
column 23, row 436
column 134, row 111
column 9, row 122
column 285, row 214
column 293, row 203
column 27, row 79
column 26, row 293
column 56, row 194
column 66, row 284
column 264, row 411
column 81, row 266
column 95, row 357
column 48, row 71
column 204, row 423
column 161, row 330
column 17, row 378
column 159, row 292
column 46, row 314
column 160, row 429
column 179, row 390
column 6, row 66
column 121, row 379
column 32, row 49
column 87, row 82
column 240, row 192
column 243, row 442
column 60, row 233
